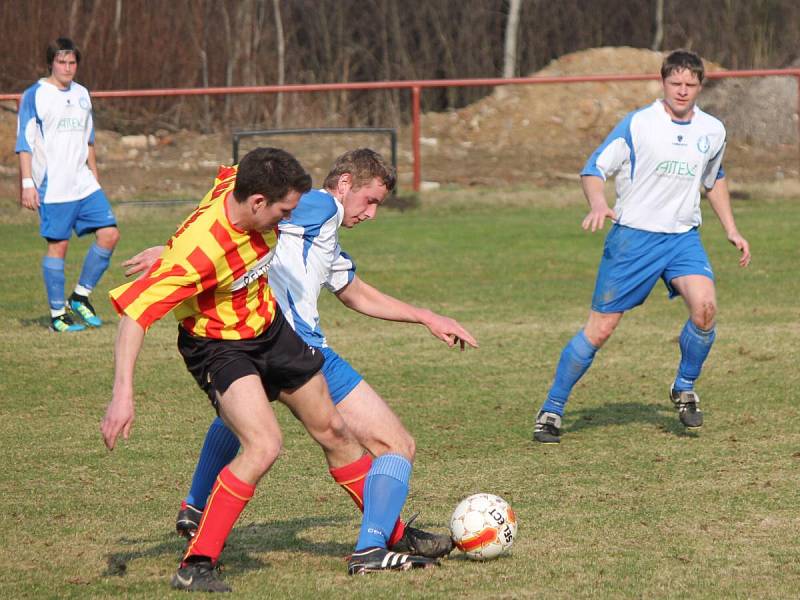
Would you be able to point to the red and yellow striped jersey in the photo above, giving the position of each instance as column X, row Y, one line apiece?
column 211, row 273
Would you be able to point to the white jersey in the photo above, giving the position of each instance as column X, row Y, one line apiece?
column 55, row 126
column 308, row 258
column 659, row 166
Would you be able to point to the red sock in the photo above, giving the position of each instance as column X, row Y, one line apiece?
column 228, row 498
column 351, row 477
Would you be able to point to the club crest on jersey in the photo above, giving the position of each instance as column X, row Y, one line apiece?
column 703, row 143
column 255, row 273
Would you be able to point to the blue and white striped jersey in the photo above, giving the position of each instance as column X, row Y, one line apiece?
column 659, row 166
column 56, row 127
column 308, row 258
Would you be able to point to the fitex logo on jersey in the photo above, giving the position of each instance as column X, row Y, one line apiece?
column 70, row 124
column 675, row 168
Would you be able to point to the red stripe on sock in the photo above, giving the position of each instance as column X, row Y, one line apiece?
column 352, row 477
column 226, row 502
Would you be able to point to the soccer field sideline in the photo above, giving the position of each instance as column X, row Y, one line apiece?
column 627, row 506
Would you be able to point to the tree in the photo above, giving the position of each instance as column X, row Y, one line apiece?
column 281, row 46
column 658, row 37
column 510, row 48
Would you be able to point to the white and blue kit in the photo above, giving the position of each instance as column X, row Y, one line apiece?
column 659, row 165
column 55, row 126
column 307, row 259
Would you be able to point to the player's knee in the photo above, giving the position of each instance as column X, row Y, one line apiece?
column 396, row 441
column 261, row 454
column 601, row 332
column 407, row 447
column 705, row 314
column 108, row 237
column 402, row 443
column 57, row 249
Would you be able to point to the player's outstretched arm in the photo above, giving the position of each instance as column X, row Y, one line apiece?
column 119, row 413
column 594, row 190
column 720, row 199
column 362, row 297
column 142, row 261
column 449, row 331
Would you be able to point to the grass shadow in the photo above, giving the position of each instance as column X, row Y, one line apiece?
column 626, row 413
column 275, row 536
column 43, row 322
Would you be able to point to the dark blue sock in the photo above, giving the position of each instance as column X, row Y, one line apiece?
column 576, row 358
column 53, row 272
column 695, row 344
column 385, row 491
column 94, row 265
column 219, row 449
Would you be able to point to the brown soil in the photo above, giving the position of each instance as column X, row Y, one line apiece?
column 544, row 132
column 537, row 134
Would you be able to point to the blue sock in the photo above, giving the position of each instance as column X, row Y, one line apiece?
column 385, row 491
column 219, row 449
column 94, row 265
column 576, row 358
column 695, row 344
column 54, row 279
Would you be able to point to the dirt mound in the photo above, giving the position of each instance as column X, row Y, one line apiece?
column 553, row 126
column 557, row 112
column 541, row 131
column 760, row 110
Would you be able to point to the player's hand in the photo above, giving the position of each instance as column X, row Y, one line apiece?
column 142, row 261
column 29, row 199
column 118, row 418
column 743, row 246
column 450, row 331
column 597, row 218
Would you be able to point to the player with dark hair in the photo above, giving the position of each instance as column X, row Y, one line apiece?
column 240, row 350
column 308, row 258
column 660, row 155
column 59, row 47
column 58, row 168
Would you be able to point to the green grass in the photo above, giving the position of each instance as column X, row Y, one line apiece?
column 628, row 506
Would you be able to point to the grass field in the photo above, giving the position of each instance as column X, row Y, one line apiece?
column 628, row 506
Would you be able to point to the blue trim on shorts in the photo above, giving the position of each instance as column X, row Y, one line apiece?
column 341, row 377
column 57, row 221
column 634, row 260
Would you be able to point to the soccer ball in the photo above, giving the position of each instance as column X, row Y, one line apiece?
column 483, row 526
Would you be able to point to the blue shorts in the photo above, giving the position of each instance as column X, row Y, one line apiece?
column 84, row 216
column 633, row 261
column 339, row 374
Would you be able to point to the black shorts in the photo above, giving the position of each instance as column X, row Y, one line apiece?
column 278, row 356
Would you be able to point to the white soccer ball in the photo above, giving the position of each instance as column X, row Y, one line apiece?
column 483, row 526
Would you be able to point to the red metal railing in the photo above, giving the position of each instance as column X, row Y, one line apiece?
column 416, row 88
